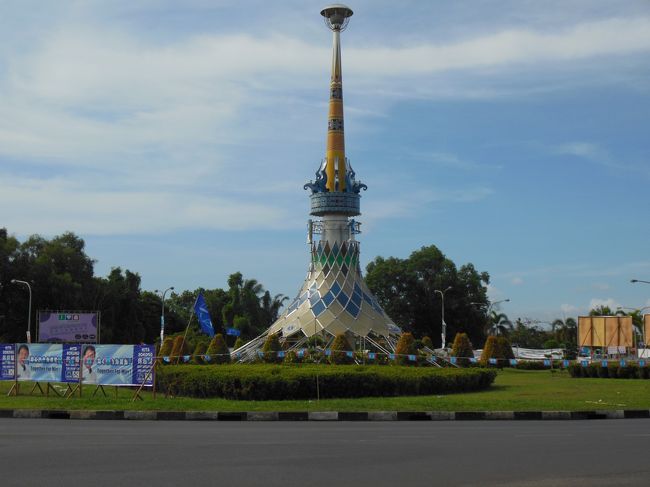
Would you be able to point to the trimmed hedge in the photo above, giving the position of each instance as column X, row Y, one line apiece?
column 405, row 346
column 614, row 371
column 462, row 349
column 339, row 351
column 497, row 348
column 277, row 382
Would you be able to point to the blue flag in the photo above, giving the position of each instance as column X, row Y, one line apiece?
column 203, row 315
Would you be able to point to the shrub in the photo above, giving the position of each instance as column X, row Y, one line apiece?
column 612, row 371
column 198, row 357
column 218, row 350
column 291, row 357
column 505, row 349
column 490, row 350
column 271, row 348
column 497, row 348
column 277, row 382
column 426, row 342
column 166, row 349
column 180, row 348
column 462, row 349
column 531, row 365
column 239, row 343
column 405, row 346
column 339, row 349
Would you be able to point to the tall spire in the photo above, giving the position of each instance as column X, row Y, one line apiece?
column 336, row 18
column 335, row 191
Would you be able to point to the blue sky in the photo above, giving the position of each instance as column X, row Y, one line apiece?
column 175, row 138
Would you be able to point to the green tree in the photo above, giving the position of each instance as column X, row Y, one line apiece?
column 405, row 289
column 340, row 349
column 462, row 349
column 405, row 346
column 271, row 348
column 198, row 357
column 499, row 324
column 166, row 348
column 497, row 348
column 180, row 349
column 218, row 350
column 601, row 310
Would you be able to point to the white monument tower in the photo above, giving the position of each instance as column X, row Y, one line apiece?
column 334, row 298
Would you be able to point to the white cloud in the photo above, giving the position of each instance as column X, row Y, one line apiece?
column 517, row 281
column 596, row 154
column 146, row 129
column 598, row 38
column 54, row 206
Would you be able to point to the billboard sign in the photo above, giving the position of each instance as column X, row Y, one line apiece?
column 38, row 362
column 117, row 365
column 59, row 327
column 7, row 361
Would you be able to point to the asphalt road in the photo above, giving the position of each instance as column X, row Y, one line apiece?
column 157, row 453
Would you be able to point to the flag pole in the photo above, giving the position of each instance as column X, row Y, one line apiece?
column 188, row 324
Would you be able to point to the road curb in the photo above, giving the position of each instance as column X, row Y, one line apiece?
column 324, row 415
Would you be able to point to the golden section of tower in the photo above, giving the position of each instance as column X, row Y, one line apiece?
column 335, row 147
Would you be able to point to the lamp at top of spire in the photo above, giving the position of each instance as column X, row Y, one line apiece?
column 337, row 16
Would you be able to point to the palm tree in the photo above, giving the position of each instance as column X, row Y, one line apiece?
column 601, row 311
column 271, row 306
column 499, row 324
column 565, row 331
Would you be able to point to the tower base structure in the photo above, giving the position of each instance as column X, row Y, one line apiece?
column 333, row 300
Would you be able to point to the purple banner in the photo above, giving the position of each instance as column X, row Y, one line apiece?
column 67, row 327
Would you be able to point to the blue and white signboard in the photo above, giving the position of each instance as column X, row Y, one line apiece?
column 117, row 365
column 71, row 359
column 7, row 361
column 39, row 362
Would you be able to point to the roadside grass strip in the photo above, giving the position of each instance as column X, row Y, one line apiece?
column 513, row 390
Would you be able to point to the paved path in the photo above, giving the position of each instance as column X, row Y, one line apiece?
column 154, row 453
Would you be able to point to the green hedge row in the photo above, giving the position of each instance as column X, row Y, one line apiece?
column 596, row 370
column 278, row 382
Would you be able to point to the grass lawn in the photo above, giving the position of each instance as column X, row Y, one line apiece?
column 513, row 390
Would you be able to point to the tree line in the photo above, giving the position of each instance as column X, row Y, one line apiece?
column 62, row 277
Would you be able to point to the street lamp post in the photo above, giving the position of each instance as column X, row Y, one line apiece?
column 29, row 313
column 444, row 325
column 162, row 313
column 639, row 280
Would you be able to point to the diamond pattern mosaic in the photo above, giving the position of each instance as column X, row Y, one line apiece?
column 334, row 297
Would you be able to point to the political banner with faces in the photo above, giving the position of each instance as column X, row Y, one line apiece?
column 117, row 365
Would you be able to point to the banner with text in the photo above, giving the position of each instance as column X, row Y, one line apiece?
column 7, row 361
column 42, row 362
column 58, row 327
column 117, row 365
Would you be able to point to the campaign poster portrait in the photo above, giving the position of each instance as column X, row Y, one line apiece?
column 39, row 362
column 116, row 365
column 58, row 327
column 7, row 361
